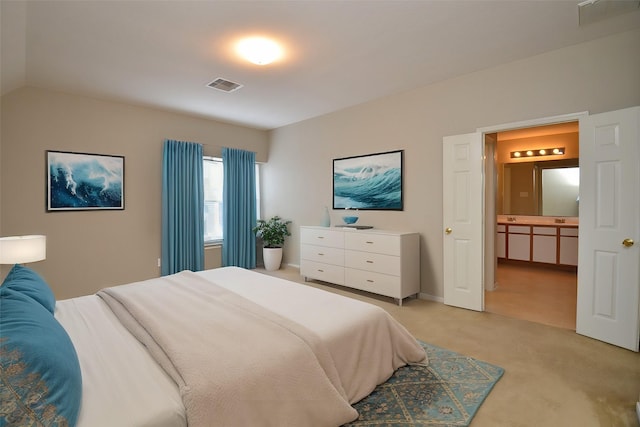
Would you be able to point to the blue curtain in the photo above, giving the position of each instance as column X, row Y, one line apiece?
column 182, row 207
column 239, row 208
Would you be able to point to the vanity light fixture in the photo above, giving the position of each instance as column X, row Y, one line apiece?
column 537, row 153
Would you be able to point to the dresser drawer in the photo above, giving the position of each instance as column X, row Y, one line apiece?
column 322, row 254
column 378, row 243
column 325, row 272
column 379, row 263
column 378, row 283
column 322, row 237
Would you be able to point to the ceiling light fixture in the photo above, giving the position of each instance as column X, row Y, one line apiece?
column 259, row 50
column 539, row 152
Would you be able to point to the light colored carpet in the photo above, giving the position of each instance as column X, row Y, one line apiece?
column 553, row 376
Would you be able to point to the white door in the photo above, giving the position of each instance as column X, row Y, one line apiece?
column 463, row 195
column 608, row 259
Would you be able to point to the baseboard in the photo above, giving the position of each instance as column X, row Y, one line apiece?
column 428, row 297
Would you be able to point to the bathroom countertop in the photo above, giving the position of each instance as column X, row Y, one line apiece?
column 545, row 224
column 538, row 220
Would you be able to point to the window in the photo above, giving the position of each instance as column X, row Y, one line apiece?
column 213, row 183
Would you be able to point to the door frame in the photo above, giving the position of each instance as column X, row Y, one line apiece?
column 490, row 185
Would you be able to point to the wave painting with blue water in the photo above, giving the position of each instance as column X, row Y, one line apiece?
column 368, row 182
column 85, row 181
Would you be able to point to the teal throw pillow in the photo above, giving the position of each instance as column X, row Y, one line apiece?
column 30, row 283
column 39, row 368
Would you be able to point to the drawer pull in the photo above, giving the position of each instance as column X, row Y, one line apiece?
column 321, row 271
column 320, row 237
column 369, row 262
column 320, row 253
column 368, row 242
column 370, row 281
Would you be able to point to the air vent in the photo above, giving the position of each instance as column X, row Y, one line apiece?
column 224, row 85
column 590, row 11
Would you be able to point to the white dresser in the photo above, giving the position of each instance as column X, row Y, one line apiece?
column 379, row 261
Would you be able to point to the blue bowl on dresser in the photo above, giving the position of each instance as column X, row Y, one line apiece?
column 350, row 219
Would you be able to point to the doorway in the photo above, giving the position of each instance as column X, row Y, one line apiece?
column 608, row 295
column 525, row 289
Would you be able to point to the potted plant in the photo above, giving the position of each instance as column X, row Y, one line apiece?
column 272, row 233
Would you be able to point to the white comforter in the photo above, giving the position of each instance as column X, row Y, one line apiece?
column 365, row 344
column 235, row 362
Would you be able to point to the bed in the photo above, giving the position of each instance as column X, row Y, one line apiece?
column 223, row 347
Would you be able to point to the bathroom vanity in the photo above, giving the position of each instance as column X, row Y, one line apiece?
column 544, row 240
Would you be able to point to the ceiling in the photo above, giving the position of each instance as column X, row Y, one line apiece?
column 338, row 53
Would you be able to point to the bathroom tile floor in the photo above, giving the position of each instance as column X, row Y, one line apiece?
column 541, row 295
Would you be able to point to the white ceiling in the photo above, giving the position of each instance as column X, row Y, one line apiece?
column 339, row 53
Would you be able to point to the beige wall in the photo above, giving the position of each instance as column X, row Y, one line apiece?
column 90, row 250
column 597, row 76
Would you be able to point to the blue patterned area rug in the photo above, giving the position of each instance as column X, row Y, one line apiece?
column 445, row 391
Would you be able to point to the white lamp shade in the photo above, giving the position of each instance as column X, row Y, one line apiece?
column 21, row 249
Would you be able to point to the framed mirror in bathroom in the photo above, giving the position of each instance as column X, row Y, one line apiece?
column 546, row 188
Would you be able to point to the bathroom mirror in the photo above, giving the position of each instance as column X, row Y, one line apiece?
column 546, row 188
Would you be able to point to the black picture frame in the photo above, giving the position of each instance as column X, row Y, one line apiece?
column 369, row 182
column 84, row 181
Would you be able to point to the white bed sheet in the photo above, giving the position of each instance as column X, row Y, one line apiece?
column 121, row 383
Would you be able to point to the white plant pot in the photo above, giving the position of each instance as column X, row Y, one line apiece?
column 272, row 258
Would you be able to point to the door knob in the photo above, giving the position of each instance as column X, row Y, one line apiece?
column 628, row 242
column 448, row 230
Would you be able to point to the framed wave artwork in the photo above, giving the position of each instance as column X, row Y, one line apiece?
column 369, row 182
column 81, row 181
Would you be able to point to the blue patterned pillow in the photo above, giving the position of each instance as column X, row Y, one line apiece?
column 39, row 368
column 28, row 282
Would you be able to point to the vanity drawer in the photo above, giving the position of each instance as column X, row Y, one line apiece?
column 322, row 254
column 369, row 242
column 569, row 231
column 520, row 229
column 547, row 231
column 378, row 263
column 322, row 237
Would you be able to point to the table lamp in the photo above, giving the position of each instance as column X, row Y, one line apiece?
column 22, row 249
